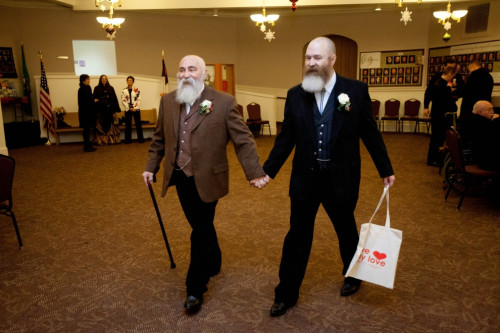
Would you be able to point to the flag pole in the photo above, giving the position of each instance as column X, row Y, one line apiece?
column 48, row 143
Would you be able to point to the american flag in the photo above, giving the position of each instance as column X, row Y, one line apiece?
column 45, row 103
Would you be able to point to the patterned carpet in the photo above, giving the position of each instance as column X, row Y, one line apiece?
column 94, row 258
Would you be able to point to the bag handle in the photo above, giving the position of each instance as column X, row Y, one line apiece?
column 385, row 194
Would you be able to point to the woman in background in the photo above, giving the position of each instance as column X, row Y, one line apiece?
column 131, row 100
column 107, row 107
column 86, row 111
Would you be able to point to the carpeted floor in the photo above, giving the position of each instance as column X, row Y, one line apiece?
column 94, row 258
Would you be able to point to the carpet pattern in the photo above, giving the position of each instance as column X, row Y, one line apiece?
column 94, row 258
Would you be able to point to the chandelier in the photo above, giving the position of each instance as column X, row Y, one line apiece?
column 262, row 19
column 444, row 16
column 109, row 23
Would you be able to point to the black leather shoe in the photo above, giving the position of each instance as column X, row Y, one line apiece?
column 278, row 309
column 350, row 286
column 193, row 304
column 89, row 149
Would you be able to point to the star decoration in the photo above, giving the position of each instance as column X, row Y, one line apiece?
column 447, row 25
column 269, row 35
column 263, row 27
column 103, row 7
column 406, row 16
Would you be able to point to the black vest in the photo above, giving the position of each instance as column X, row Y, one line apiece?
column 323, row 127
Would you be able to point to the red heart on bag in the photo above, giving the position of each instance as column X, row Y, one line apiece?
column 379, row 255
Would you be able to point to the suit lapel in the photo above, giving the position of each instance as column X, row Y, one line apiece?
column 338, row 116
column 307, row 109
column 197, row 118
column 176, row 110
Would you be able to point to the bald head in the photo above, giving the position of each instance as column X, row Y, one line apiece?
column 484, row 109
column 192, row 61
column 325, row 44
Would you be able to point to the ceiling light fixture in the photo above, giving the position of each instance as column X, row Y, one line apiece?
column 109, row 23
column 262, row 19
column 400, row 2
column 444, row 16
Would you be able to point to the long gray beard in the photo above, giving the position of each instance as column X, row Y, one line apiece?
column 313, row 83
column 188, row 91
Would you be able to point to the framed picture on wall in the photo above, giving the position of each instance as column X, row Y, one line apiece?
column 488, row 53
column 387, row 68
column 7, row 66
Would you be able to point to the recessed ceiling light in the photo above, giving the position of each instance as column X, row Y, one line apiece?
column 378, row 8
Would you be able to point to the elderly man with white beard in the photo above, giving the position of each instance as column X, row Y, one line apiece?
column 195, row 123
column 325, row 118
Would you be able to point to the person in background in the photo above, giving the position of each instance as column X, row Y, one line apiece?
column 195, row 124
column 483, row 129
column 131, row 101
column 326, row 117
column 86, row 111
column 479, row 86
column 107, row 107
column 442, row 103
column 457, row 84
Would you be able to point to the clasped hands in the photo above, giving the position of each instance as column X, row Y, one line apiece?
column 260, row 182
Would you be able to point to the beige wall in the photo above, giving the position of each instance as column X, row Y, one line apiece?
column 259, row 64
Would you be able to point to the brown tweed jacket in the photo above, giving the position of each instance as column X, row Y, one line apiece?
column 209, row 137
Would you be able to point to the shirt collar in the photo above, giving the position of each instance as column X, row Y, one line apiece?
column 331, row 83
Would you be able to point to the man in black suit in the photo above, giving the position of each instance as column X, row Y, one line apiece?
column 457, row 84
column 479, row 86
column 325, row 117
column 442, row 105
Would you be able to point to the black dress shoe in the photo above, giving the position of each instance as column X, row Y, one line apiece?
column 350, row 286
column 193, row 304
column 278, row 309
column 89, row 149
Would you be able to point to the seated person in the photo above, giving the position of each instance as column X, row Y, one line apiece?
column 483, row 130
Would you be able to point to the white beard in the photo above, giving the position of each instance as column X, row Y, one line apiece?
column 189, row 90
column 313, row 83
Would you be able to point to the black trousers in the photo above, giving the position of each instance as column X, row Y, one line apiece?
column 86, row 137
column 298, row 241
column 128, row 126
column 205, row 251
column 438, row 135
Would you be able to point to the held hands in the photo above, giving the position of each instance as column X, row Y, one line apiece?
column 389, row 181
column 260, row 182
column 148, row 178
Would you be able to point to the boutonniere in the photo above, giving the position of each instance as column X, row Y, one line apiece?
column 345, row 102
column 206, row 107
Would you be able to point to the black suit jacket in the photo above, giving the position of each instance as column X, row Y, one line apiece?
column 347, row 129
column 479, row 86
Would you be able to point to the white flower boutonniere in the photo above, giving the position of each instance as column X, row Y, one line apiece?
column 206, row 107
column 345, row 102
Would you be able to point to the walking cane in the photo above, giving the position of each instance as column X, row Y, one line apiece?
column 172, row 263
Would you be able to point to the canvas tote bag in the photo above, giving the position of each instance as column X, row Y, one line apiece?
column 377, row 254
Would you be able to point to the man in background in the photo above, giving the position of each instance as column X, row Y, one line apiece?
column 479, row 86
column 457, row 84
